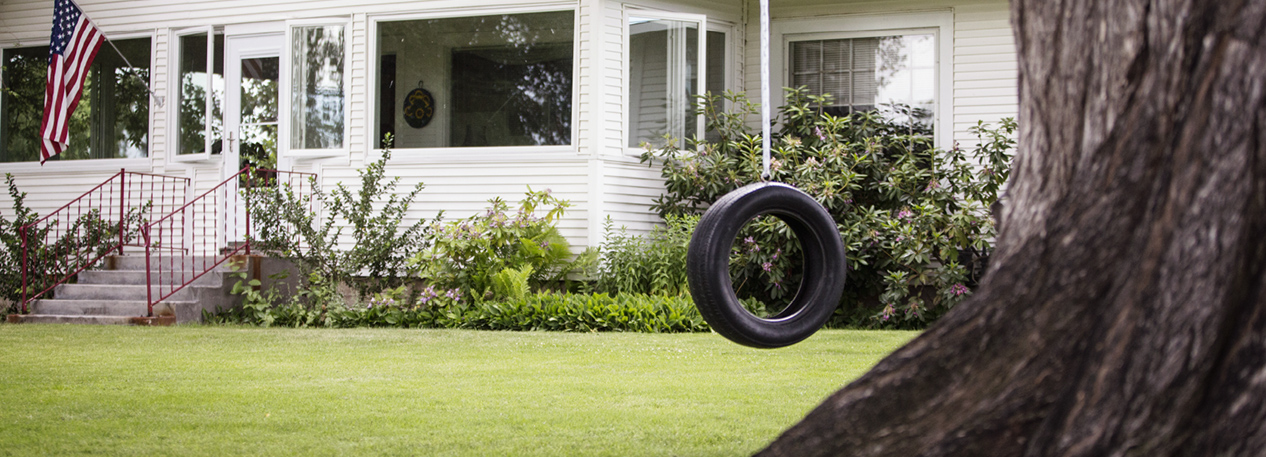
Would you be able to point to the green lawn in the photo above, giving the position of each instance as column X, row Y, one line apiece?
column 234, row 391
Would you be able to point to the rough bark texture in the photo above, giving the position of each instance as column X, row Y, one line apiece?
column 1124, row 313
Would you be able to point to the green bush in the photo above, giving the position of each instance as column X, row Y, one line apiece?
column 447, row 309
column 915, row 221
column 466, row 255
column 654, row 263
column 287, row 226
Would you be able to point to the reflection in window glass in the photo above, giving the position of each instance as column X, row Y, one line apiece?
column 894, row 74
column 193, row 94
column 112, row 120
column 316, row 96
column 663, row 77
column 501, row 80
column 258, row 121
column 716, row 76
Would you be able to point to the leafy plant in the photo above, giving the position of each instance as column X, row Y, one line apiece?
column 914, row 220
column 512, row 283
column 467, row 254
column 288, row 225
column 654, row 263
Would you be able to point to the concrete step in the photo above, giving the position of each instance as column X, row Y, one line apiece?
column 125, row 292
column 165, row 262
column 89, row 319
column 137, row 277
column 101, row 307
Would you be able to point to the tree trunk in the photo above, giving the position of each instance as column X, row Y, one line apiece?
column 1125, row 311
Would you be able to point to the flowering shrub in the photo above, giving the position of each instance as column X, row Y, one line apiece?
column 915, row 221
column 466, row 255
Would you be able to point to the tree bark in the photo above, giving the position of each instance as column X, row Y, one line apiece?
column 1124, row 311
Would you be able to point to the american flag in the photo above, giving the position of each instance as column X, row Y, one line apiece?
column 73, row 45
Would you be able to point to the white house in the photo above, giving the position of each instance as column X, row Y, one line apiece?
column 547, row 94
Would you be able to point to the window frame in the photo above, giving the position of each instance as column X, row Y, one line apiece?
column 704, row 26
column 286, row 84
column 406, row 155
column 939, row 23
column 90, row 165
column 174, row 89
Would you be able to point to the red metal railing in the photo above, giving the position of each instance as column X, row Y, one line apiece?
column 207, row 231
column 81, row 233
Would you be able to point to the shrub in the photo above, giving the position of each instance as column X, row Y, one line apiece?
column 914, row 221
column 651, row 264
column 380, row 247
column 541, row 311
column 466, row 255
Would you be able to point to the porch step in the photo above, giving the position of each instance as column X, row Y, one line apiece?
column 100, row 307
column 137, row 277
column 89, row 319
column 166, row 263
column 129, row 291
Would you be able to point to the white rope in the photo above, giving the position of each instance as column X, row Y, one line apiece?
column 764, row 87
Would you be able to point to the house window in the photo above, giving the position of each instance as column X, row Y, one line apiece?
column 895, row 75
column 498, row 80
column 665, row 74
column 112, row 120
column 201, row 91
column 316, row 88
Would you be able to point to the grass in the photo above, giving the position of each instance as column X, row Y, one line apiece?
column 230, row 390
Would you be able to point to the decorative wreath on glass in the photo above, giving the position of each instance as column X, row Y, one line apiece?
column 419, row 107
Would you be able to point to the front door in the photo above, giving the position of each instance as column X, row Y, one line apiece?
column 252, row 77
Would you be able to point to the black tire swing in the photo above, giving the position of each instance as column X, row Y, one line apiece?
column 708, row 257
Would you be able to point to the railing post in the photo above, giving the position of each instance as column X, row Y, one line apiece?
column 250, row 184
column 149, row 282
column 22, row 233
column 122, row 200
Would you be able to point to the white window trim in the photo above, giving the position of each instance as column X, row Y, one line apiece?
column 373, row 149
column 284, row 151
column 940, row 23
column 704, row 27
column 174, row 91
column 145, row 164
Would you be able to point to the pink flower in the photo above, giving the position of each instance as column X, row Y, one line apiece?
column 766, row 266
column 958, row 289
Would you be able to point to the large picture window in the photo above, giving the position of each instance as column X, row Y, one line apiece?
column 895, row 75
column 498, row 80
column 112, row 120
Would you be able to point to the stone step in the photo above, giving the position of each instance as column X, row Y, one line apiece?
column 125, row 292
column 89, row 319
column 101, row 307
column 137, row 277
column 166, row 263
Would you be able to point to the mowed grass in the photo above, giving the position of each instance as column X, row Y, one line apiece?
column 196, row 390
